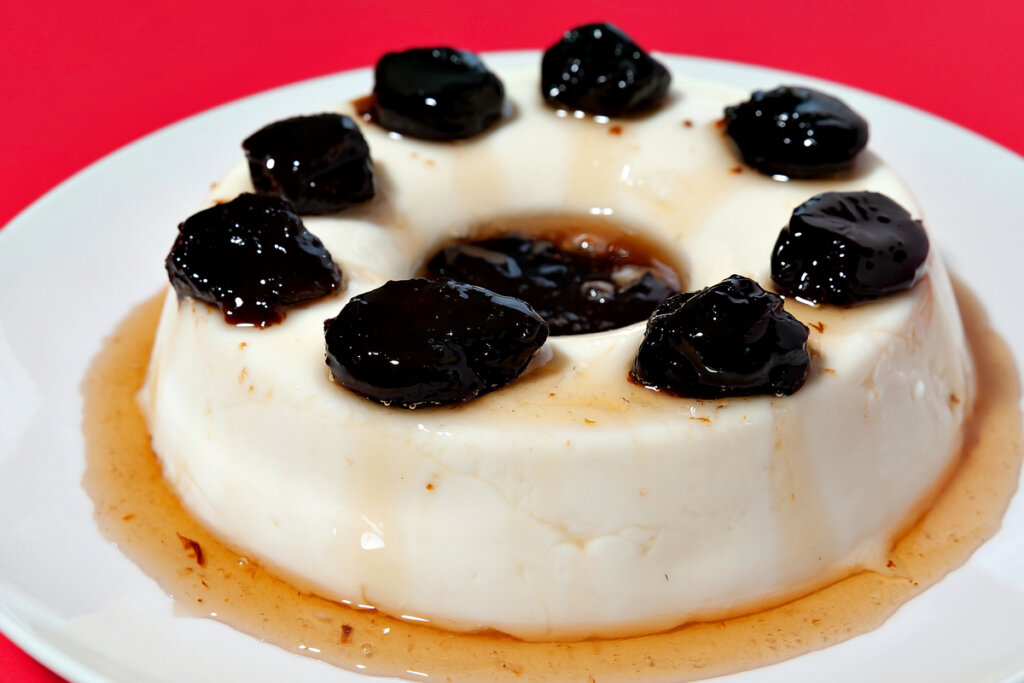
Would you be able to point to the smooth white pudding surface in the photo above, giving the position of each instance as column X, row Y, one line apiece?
column 570, row 503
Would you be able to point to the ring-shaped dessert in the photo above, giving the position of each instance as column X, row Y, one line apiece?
column 571, row 503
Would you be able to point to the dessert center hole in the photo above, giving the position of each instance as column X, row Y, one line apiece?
column 580, row 273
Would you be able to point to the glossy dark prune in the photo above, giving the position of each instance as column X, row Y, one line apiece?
column 252, row 257
column 319, row 163
column 730, row 339
column 847, row 247
column 598, row 69
column 436, row 94
column 796, row 132
column 576, row 292
column 413, row 343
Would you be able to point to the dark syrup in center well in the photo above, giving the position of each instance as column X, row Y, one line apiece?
column 582, row 274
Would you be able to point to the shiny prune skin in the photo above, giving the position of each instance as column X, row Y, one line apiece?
column 413, row 343
column 319, row 163
column 436, row 94
column 796, row 132
column 253, row 258
column 598, row 69
column 576, row 292
column 730, row 339
column 844, row 248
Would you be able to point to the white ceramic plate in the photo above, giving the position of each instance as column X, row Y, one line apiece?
column 74, row 263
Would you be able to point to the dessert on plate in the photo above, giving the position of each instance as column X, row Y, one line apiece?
column 583, row 350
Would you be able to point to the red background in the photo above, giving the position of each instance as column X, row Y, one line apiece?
column 81, row 79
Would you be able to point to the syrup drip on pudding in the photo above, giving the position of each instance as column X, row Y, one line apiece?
column 137, row 510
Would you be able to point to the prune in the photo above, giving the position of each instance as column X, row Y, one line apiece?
column 576, row 291
column 419, row 342
column 846, row 247
column 598, row 69
column 796, row 132
column 253, row 258
column 730, row 339
column 436, row 94
column 319, row 163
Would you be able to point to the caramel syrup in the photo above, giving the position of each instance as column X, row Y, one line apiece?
column 136, row 510
column 364, row 107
